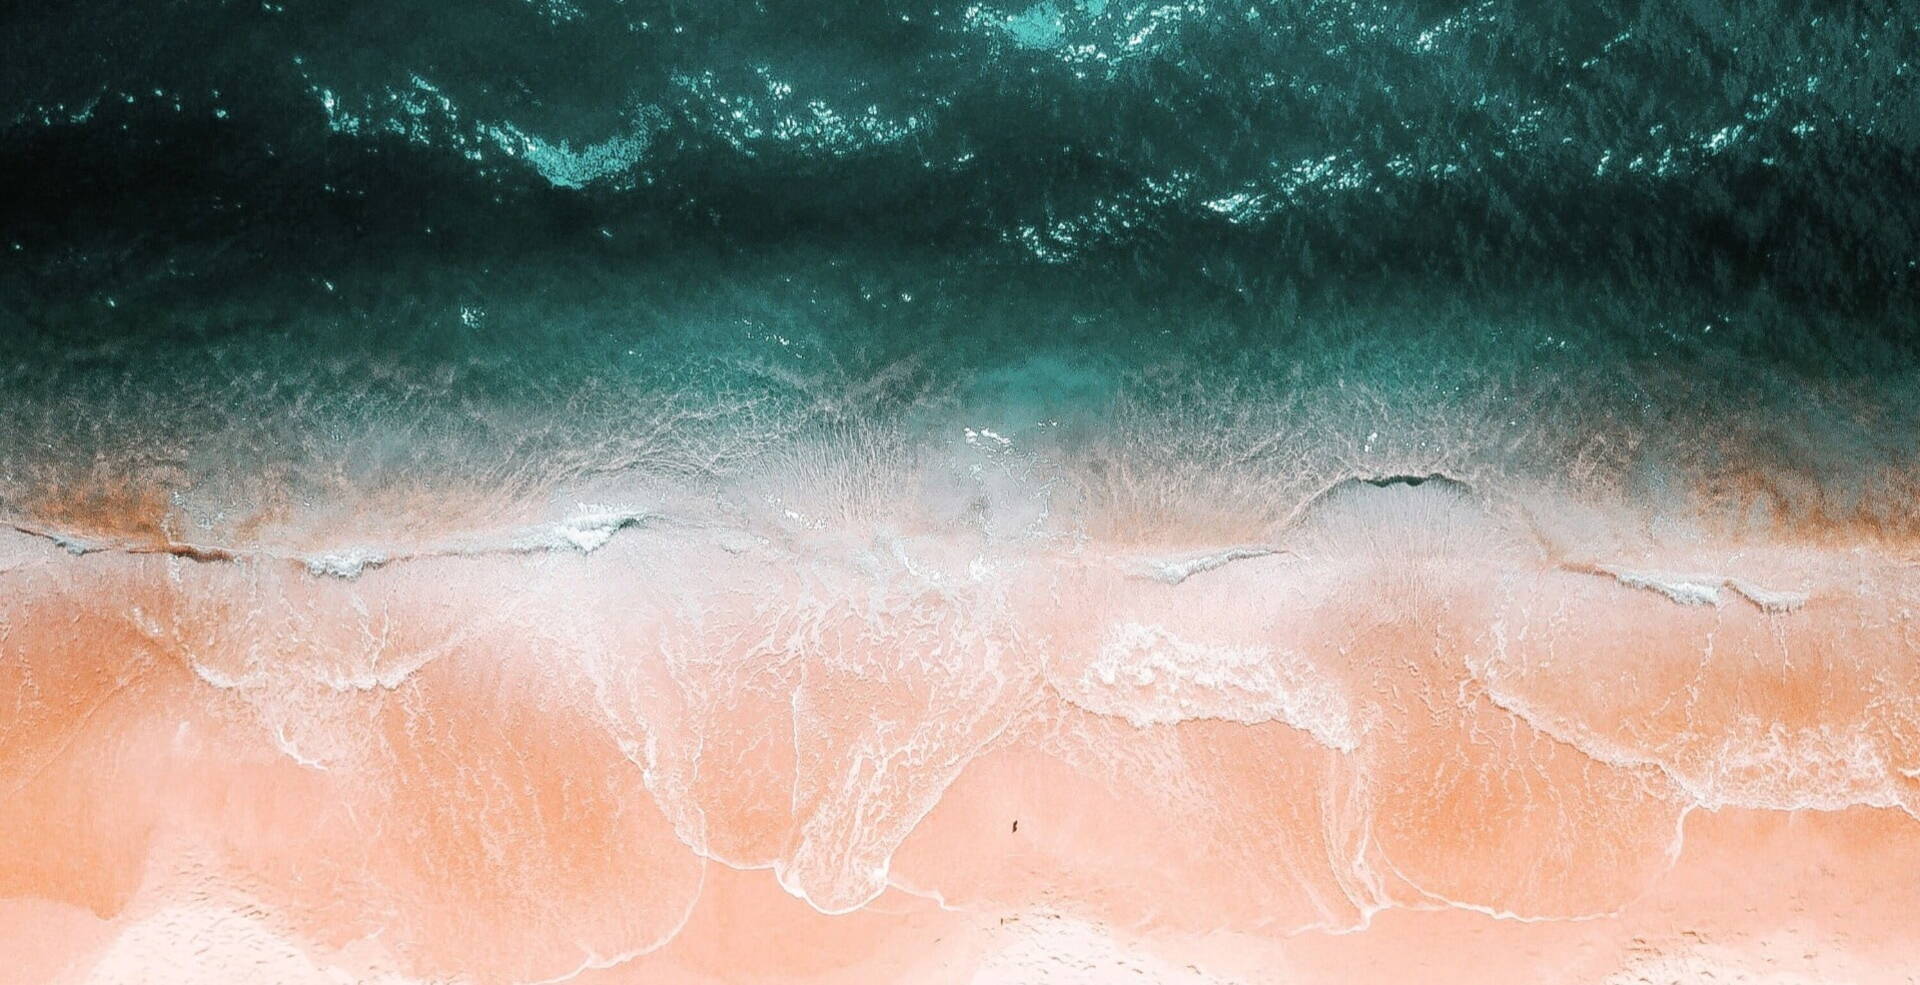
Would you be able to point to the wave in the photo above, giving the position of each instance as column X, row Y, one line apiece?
column 584, row 533
column 1148, row 676
column 1703, row 589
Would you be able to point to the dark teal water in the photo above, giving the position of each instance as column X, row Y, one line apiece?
column 1651, row 167
column 476, row 226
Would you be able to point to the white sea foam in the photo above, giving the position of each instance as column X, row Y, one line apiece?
column 586, row 533
column 1758, row 765
column 223, row 680
column 1705, row 589
column 1768, row 599
column 1173, row 571
column 348, row 563
column 1149, row 676
column 1682, row 588
column 1779, row 767
column 293, row 751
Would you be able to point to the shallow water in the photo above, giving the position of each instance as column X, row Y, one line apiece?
column 1296, row 492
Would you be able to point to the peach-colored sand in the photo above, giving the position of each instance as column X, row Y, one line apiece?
column 1402, row 739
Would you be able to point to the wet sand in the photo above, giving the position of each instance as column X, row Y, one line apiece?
column 1406, row 736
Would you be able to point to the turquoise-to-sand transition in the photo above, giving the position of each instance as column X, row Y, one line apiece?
column 1294, row 493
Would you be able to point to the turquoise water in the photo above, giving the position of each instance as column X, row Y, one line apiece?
column 524, row 244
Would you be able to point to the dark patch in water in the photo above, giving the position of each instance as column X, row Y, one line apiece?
column 1405, row 480
column 386, row 163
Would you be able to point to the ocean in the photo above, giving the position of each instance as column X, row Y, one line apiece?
column 1266, row 492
